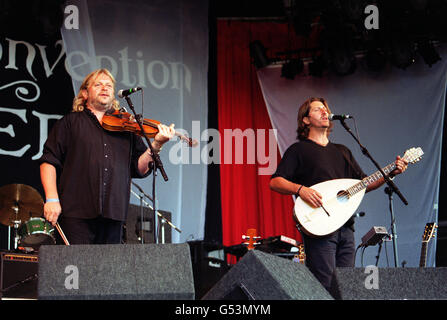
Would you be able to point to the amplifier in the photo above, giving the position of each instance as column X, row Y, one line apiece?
column 18, row 275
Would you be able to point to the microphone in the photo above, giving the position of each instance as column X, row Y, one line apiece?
column 339, row 116
column 125, row 93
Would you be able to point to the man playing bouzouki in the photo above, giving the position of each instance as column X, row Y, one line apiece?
column 314, row 159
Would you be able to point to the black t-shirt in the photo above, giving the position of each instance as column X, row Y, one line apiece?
column 94, row 166
column 309, row 163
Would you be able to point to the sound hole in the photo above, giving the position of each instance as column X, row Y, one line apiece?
column 343, row 196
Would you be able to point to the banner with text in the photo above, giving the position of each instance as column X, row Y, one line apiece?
column 160, row 46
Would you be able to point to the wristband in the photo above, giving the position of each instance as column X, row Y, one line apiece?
column 298, row 192
column 52, row 200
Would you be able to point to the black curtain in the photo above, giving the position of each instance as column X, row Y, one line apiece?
column 35, row 90
column 213, row 214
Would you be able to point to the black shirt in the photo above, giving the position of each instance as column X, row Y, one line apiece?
column 309, row 163
column 94, row 166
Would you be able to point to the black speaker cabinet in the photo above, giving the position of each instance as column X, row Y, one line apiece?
column 373, row 283
column 263, row 276
column 18, row 277
column 109, row 272
column 133, row 226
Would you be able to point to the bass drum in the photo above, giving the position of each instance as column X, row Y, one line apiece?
column 36, row 232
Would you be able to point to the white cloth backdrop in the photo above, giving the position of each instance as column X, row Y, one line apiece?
column 161, row 46
column 394, row 110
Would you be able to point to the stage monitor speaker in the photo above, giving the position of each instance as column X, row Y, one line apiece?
column 373, row 283
column 133, row 227
column 263, row 276
column 109, row 272
column 18, row 276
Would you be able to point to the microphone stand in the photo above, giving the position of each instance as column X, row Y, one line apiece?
column 154, row 165
column 389, row 192
column 141, row 218
column 391, row 185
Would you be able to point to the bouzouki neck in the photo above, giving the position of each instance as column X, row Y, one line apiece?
column 371, row 179
column 412, row 155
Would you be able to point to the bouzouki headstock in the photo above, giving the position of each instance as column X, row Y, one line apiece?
column 413, row 155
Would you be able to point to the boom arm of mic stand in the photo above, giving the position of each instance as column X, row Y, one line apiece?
column 158, row 213
column 366, row 153
column 141, row 191
column 155, row 156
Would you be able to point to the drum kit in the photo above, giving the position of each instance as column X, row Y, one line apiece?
column 21, row 208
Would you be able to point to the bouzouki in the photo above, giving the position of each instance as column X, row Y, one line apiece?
column 429, row 232
column 341, row 197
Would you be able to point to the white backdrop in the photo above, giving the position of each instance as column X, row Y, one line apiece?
column 161, row 46
column 394, row 110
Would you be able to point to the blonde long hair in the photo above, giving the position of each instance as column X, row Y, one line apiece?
column 79, row 102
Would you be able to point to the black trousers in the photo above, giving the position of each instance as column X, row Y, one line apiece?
column 90, row 231
column 324, row 254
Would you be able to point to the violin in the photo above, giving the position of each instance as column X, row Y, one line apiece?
column 124, row 121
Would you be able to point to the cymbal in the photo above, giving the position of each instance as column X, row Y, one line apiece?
column 19, row 202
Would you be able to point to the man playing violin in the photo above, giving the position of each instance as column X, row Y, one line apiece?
column 86, row 170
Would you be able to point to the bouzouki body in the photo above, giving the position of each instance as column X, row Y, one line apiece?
column 341, row 198
column 336, row 210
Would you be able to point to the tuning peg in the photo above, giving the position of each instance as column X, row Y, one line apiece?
column 244, row 237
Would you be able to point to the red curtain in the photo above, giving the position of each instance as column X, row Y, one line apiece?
column 247, row 201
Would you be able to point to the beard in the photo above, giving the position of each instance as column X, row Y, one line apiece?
column 99, row 105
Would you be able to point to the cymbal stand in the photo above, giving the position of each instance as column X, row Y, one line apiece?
column 9, row 237
column 16, row 224
column 16, row 233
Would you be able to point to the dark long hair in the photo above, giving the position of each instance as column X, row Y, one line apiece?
column 303, row 111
